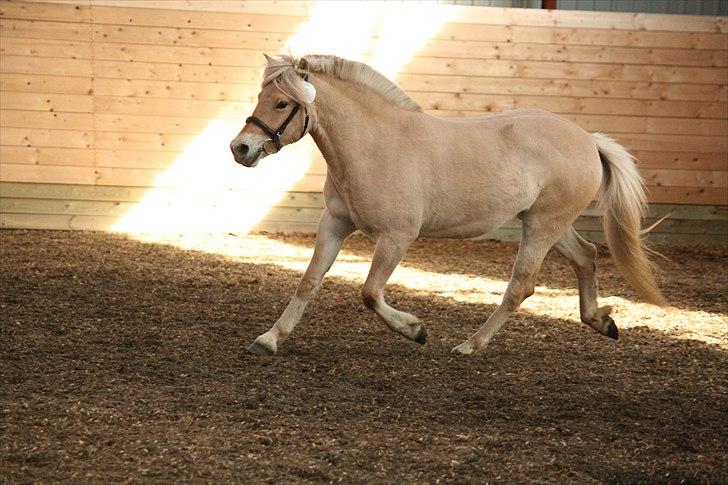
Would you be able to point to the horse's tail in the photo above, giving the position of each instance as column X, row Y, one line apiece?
column 623, row 203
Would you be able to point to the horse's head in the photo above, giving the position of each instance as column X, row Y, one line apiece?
column 282, row 115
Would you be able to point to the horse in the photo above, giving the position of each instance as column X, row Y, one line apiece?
column 396, row 173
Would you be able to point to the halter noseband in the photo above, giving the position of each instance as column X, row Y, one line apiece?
column 276, row 134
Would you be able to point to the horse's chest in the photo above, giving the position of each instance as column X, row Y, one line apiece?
column 364, row 212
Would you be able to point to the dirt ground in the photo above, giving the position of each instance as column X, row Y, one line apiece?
column 125, row 361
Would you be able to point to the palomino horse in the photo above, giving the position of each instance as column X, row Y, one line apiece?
column 396, row 173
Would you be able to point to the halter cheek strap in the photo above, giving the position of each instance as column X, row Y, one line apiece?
column 275, row 135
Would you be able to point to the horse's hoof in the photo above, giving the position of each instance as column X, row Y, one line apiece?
column 421, row 337
column 463, row 349
column 612, row 331
column 259, row 348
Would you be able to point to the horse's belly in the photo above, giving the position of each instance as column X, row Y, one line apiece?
column 474, row 227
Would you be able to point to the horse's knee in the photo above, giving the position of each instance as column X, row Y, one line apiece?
column 587, row 262
column 369, row 297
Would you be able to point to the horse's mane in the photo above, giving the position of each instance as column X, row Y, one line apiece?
column 286, row 72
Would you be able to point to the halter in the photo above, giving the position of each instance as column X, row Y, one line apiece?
column 275, row 134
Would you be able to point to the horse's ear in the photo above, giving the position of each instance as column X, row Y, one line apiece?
column 267, row 58
column 303, row 64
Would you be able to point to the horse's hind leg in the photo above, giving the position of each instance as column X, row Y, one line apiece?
column 387, row 254
column 539, row 233
column 581, row 254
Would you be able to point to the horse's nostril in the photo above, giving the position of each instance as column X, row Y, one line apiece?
column 241, row 149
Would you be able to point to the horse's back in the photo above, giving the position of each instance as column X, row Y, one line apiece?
column 496, row 166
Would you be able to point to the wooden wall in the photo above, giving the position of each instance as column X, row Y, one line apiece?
column 99, row 99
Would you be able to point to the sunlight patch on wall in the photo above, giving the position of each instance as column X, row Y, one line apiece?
column 386, row 35
column 206, row 191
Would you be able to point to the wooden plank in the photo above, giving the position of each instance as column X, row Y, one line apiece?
column 585, row 19
column 34, row 83
column 68, row 103
column 118, row 209
column 433, row 102
column 37, row 29
column 173, row 107
column 615, row 125
column 556, row 104
column 176, row 89
column 579, row 88
column 575, row 36
column 594, row 123
column 105, row 223
column 706, row 144
column 312, row 200
column 642, row 124
column 176, row 72
column 169, row 36
column 46, row 119
column 682, row 160
column 688, row 195
column 566, row 70
column 415, row 83
column 30, row 137
column 37, row 65
column 142, row 141
column 55, row 221
column 151, row 124
column 46, row 156
column 76, row 12
column 135, row 177
column 269, row 7
column 685, row 178
column 196, row 20
column 12, row 172
column 571, row 53
column 123, row 158
column 18, row 46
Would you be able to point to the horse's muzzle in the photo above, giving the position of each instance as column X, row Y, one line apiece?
column 243, row 154
column 247, row 163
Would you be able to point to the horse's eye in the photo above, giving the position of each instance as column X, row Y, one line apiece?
column 281, row 105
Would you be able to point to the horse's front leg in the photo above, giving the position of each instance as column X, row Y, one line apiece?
column 331, row 234
column 387, row 254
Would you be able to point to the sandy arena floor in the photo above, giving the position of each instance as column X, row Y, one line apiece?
column 123, row 360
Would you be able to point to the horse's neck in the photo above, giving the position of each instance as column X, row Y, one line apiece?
column 350, row 117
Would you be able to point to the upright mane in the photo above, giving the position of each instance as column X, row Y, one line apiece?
column 285, row 72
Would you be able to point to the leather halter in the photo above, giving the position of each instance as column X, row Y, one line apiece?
column 276, row 134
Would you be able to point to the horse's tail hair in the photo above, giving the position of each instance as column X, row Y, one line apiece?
column 623, row 203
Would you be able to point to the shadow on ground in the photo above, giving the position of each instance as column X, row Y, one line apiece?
column 125, row 361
